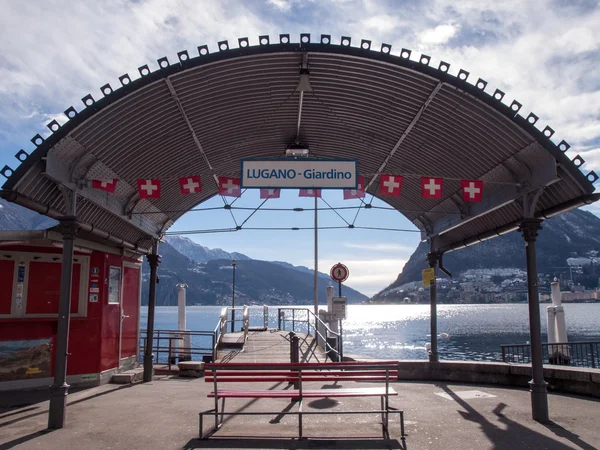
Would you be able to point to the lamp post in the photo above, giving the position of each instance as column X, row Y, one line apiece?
column 233, row 298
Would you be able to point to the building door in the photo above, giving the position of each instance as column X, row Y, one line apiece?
column 130, row 311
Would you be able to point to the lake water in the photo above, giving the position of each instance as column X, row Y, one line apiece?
column 401, row 331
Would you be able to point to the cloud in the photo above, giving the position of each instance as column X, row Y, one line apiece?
column 283, row 5
column 438, row 35
column 380, row 247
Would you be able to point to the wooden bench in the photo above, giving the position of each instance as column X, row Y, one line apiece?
column 297, row 374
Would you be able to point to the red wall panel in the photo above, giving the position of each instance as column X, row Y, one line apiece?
column 7, row 274
column 43, row 289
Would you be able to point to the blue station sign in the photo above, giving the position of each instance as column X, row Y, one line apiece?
column 301, row 173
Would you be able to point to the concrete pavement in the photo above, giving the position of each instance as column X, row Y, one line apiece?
column 163, row 414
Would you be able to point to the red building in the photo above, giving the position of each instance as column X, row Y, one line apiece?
column 105, row 309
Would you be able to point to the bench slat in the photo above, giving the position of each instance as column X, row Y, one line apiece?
column 291, row 379
column 234, row 373
column 306, row 393
column 377, row 365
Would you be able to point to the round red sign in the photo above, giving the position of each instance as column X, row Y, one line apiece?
column 339, row 273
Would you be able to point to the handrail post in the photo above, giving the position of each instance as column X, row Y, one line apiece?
column 279, row 311
column 592, row 355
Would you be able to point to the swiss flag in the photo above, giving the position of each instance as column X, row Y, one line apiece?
column 472, row 190
column 149, row 188
column 105, row 185
column 190, row 185
column 270, row 193
column 310, row 193
column 390, row 185
column 230, row 187
column 431, row 187
column 358, row 192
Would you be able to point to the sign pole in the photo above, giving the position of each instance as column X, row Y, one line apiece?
column 339, row 288
column 316, row 293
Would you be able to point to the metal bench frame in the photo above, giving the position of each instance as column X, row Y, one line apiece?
column 297, row 373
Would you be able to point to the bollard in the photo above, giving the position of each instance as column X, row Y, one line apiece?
column 294, row 352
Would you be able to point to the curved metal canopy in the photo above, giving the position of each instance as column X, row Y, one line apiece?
column 393, row 114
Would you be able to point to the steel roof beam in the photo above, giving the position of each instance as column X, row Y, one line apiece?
column 406, row 132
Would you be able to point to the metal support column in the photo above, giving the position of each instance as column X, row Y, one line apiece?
column 432, row 259
column 59, row 388
column 154, row 261
column 539, row 395
column 316, row 274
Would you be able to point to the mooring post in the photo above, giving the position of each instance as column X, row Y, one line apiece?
column 294, row 352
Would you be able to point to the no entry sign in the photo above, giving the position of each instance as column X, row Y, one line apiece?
column 339, row 273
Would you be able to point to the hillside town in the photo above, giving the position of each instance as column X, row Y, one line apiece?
column 579, row 283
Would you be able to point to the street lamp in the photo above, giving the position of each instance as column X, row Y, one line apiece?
column 233, row 298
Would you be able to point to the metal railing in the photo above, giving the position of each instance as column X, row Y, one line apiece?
column 220, row 330
column 256, row 315
column 302, row 320
column 574, row 354
column 169, row 345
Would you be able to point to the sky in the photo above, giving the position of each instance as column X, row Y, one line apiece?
column 545, row 54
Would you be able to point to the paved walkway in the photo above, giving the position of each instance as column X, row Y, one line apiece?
column 163, row 414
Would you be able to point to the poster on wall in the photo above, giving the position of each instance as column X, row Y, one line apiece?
column 23, row 360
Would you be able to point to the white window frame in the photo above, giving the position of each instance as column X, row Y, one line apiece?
column 120, row 287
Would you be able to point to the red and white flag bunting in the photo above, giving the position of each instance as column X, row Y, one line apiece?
column 356, row 193
column 390, row 185
column 472, row 190
column 310, row 193
column 190, row 185
column 149, row 188
column 230, row 187
column 105, row 185
column 431, row 187
column 269, row 193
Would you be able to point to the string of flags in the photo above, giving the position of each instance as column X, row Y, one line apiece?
column 389, row 186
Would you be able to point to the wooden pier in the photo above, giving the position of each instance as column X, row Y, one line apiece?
column 270, row 345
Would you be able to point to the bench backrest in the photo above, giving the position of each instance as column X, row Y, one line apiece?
column 293, row 372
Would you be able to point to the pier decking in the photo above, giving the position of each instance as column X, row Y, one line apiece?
column 270, row 345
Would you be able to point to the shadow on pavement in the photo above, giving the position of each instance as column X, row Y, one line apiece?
column 16, row 410
column 335, row 443
column 513, row 434
column 23, row 439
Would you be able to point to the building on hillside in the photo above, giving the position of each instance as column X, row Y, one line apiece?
column 105, row 309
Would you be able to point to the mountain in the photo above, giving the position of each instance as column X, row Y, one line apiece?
column 575, row 233
column 207, row 272
column 199, row 253
column 257, row 282
column 15, row 217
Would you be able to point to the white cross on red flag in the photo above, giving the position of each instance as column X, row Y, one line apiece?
column 149, row 188
column 105, row 185
column 230, row 187
column 431, row 187
column 358, row 192
column 190, row 185
column 472, row 190
column 310, row 193
column 390, row 185
column 269, row 193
